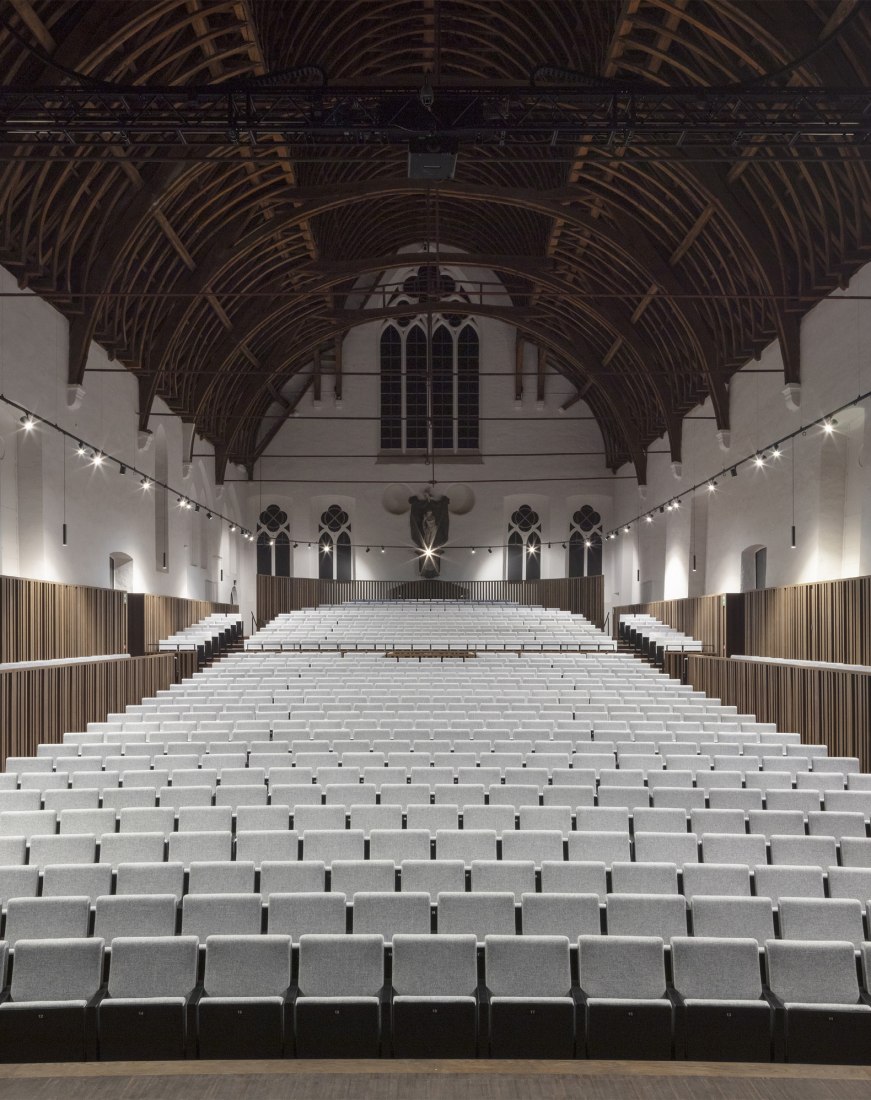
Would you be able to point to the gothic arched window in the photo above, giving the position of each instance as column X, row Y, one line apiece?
column 335, row 561
column 585, row 543
column 523, row 559
column 273, row 542
column 430, row 394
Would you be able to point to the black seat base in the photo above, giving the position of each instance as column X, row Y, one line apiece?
column 639, row 1031
column 30, row 1033
column 532, row 1030
column 434, row 1031
column 718, row 1033
column 820, row 1036
column 141, row 1032
column 240, row 1030
column 337, row 1030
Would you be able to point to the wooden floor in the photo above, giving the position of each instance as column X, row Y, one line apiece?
column 399, row 1080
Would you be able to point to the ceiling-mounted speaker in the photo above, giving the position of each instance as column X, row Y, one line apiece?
column 432, row 158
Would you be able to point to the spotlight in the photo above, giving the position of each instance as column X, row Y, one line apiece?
column 792, row 538
column 828, row 425
column 734, row 471
column 196, row 508
column 272, row 542
column 29, row 422
column 80, row 450
column 327, row 549
column 647, row 519
column 145, row 483
column 712, row 486
column 208, row 515
column 626, row 529
column 473, row 550
column 232, row 528
column 776, row 451
column 694, row 563
column 178, row 501
column 296, row 546
column 759, row 461
column 588, row 544
column 367, row 549
column 382, row 549
column 676, row 505
column 661, row 509
column 489, row 549
column 563, row 546
column 531, row 549
column 122, row 469
column 97, row 458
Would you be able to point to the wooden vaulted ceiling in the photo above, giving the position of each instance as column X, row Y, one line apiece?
column 216, row 279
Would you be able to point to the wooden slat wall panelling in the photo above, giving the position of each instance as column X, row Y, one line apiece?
column 153, row 618
column 830, row 708
column 580, row 595
column 701, row 617
column 825, row 621
column 40, row 620
column 41, row 704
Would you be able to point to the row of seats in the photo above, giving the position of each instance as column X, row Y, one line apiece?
column 409, row 624
column 293, row 899
column 326, row 839
column 340, row 996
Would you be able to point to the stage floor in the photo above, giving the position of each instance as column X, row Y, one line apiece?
column 401, row 1080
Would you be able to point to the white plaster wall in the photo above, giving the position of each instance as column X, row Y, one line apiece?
column 299, row 473
column 42, row 479
column 832, row 486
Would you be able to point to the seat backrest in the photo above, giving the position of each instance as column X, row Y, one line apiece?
column 718, row 916
column 134, row 915
column 247, row 966
column 622, row 966
column 527, row 966
column 221, row 877
column 387, row 914
column 555, row 914
column 646, row 914
column 214, row 914
column 482, row 913
column 150, row 878
column 297, row 914
column 711, row 968
column 341, row 966
column 51, row 970
column 822, row 919
column 162, row 966
column 802, row 972
column 47, row 918
column 435, row 966
column 730, row 879
column 788, row 882
column 286, row 877
column 434, row 876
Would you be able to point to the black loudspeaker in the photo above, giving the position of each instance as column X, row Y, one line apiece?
column 432, row 158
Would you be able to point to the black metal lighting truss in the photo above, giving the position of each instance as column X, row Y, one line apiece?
column 648, row 121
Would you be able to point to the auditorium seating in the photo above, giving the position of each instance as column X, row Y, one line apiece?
column 429, row 624
column 512, row 854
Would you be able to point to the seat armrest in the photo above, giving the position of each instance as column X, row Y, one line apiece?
column 190, row 1014
column 91, row 1022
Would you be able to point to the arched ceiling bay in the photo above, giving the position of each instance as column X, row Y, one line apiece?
column 216, row 274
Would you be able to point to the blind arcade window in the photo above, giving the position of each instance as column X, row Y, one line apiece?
column 334, row 545
column 273, row 542
column 523, row 555
column 585, row 543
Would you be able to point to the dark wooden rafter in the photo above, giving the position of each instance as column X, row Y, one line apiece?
column 214, row 279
